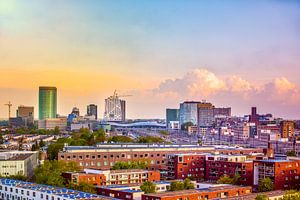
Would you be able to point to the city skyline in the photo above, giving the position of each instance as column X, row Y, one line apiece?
column 237, row 54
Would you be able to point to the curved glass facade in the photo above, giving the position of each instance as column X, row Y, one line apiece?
column 47, row 102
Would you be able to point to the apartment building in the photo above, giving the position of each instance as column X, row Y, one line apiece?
column 219, row 165
column 283, row 173
column 181, row 166
column 20, row 190
column 112, row 177
column 201, row 194
column 104, row 156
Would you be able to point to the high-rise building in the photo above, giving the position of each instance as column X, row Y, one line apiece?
column 188, row 112
column 205, row 114
column 172, row 115
column 26, row 113
column 75, row 111
column 47, row 102
column 254, row 117
column 92, row 110
column 287, row 129
column 222, row 112
column 115, row 108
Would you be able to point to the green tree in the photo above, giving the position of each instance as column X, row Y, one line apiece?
column 291, row 153
column 148, row 187
column 1, row 139
column 42, row 143
column 100, row 136
column 236, row 179
column 56, row 130
column 130, row 165
column 82, row 186
column 261, row 197
column 150, row 139
column 163, row 132
column 225, row 179
column 176, row 186
column 120, row 139
column 187, row 184
column 291, row 195
column 265, row 185
column 53, row 150
column 200, row 142
column 49, row 172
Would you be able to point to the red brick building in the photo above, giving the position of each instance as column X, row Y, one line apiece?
column 104, row 156
column 211, row 193
column 126, row 193
column 112, row 177
column 217, row 166
column 183, row 166
column 284, row 173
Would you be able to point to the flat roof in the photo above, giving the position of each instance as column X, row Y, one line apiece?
column 157, row 146
column 63, row 192
column 18, row 157
column 276, row 193
column 273, row 161
column 195, row 191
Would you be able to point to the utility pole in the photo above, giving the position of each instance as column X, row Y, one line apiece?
column 9, row 109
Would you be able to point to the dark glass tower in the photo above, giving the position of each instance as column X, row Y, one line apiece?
column 92, row 110
column 47, row 102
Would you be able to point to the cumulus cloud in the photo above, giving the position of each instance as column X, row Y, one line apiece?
column 279, row 96
column 201, row 83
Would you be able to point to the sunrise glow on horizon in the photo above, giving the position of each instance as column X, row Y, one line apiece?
column 232, row 53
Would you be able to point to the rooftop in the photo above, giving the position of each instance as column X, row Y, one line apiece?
column 63, row 192
column 274, row 161
column 10, row 157
column 195, row 191
column 106, row 146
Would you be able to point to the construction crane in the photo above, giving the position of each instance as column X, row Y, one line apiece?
column 9, row 104
column 116, row 95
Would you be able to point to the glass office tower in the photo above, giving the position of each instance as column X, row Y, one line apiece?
column 47, row 102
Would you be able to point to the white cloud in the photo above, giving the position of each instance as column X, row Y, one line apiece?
column 278, row 96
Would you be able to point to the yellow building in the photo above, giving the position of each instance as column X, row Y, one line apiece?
column 18, row 163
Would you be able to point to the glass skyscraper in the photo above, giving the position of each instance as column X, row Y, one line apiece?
column 188, row 112
column 47, row 102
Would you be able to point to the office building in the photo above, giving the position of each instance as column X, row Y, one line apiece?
column 26, row 113
column 18, row 163
column 115, row 108
column 172, row 115
column 188, row 112
column 17, row 190
column 287, row 129
column 92, row 110
column 47, row 102
column 50, row 124
column 222, row 112
column 205, row 114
